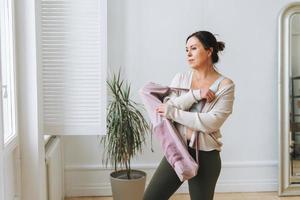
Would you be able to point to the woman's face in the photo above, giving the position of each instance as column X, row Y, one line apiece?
column 197, row 56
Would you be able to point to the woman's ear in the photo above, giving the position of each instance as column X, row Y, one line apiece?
column 210, row 50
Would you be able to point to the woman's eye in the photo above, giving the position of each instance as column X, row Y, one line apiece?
column 193, row 48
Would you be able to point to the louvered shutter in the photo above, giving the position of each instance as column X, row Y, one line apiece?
column 73, row 66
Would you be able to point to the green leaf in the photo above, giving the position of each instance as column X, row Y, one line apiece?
column 126, row 126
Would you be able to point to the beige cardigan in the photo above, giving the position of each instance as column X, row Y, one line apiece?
column 208, row 122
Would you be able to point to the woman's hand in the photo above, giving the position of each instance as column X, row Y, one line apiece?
column 161, row 109
column 207, row 94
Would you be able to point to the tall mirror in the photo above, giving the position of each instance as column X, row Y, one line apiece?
column 289, row 100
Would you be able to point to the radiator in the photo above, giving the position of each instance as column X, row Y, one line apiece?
column 54, row 169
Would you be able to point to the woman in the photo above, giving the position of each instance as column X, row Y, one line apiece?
column 201, row 111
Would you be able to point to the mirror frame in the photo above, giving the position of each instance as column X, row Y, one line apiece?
column 284, row 66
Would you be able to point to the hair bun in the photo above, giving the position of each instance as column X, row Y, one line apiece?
column 220, row 46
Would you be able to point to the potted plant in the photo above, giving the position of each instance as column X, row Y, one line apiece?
column 126, row 130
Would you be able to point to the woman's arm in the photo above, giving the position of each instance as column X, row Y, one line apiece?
column 204, row 122
column 184, row 101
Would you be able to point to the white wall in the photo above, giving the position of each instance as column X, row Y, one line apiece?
column 32, row 151
column 147, row 38
column 295, row 45
column 12, row 175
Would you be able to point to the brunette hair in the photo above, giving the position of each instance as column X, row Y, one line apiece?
column 208, row 40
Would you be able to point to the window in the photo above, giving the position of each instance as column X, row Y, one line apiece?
column 8, row 132
column 7, row 70
column 73, row 66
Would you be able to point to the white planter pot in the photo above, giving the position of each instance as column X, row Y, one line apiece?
column 128, row 189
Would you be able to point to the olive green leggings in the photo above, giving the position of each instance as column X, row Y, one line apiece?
column 201, row 187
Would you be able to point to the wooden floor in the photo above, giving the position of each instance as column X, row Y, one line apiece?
column 218, row 196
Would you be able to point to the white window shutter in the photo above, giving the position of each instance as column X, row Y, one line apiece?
column 73, row 66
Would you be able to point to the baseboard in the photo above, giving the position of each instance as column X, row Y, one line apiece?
column 93, row 180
